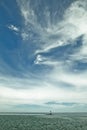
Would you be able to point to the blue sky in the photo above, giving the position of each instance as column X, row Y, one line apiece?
column 43, row 55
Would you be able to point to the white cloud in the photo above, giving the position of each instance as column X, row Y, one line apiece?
column 24, row 35
column 54, row 35
column 77, row 80
column 39, row 95
column 13, row 27
column 51, row 36
column 46, row 61
column 71, row 27
column 81, row 53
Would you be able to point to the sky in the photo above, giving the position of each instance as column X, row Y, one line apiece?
column 43, row 55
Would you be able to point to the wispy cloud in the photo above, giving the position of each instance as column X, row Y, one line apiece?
column 52, row 58
column 63, row 103
column 58, row 33
column 13, row 28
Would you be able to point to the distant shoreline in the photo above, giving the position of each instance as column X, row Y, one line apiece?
column 41, row 113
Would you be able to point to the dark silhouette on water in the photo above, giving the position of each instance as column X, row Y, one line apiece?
column 50, row 113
